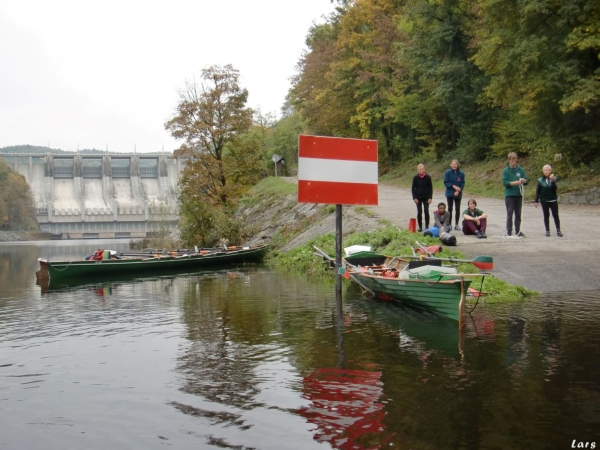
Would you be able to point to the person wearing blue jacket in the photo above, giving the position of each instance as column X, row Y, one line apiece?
column 454, row 180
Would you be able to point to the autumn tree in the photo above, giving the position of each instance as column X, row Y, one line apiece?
column 16, row 201
column 210, row 116
column 542, row 61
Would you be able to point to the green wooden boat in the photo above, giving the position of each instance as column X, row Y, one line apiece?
column 153, row 263
column 422, row 284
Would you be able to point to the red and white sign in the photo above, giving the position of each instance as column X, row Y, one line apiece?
column 337, row 170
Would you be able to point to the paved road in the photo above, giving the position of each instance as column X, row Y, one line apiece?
column 546, row 264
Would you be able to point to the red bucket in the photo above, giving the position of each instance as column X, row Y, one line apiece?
column 412, row 225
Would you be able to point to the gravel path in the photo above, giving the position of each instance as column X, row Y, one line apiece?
column 546, row 264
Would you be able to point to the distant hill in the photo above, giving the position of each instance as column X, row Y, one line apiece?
column 38, row 149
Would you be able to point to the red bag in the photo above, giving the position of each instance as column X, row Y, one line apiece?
column 389, row 273
column 433, row 249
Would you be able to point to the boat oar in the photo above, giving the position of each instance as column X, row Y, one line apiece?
column 481, row 262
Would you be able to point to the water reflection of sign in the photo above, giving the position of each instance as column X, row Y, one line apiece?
column 344, row 407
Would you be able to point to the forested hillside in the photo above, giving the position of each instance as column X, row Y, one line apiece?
column 467, row 79
column 16, row 201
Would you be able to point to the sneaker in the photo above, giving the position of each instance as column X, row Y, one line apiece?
column 547, row 234
column 558, row 233
column 419, row 230
column 507, row 234
column 457, row 228
column 520, row 234
column 478, row 234
column 483, row 235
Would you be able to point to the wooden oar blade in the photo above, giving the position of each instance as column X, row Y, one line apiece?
column 484, row 262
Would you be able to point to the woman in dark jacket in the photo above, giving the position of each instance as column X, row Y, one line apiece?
column 546, row 193
column 422, row 193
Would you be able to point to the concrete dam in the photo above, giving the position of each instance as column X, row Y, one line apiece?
column 101, row 195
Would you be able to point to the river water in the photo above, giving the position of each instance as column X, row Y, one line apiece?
column 254, row 358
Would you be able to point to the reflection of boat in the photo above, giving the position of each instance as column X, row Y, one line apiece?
column 110, row 281
column 141, row 264
column 423, row 284
column 420, row 331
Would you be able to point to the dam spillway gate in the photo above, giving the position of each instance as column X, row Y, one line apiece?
column 101, row 195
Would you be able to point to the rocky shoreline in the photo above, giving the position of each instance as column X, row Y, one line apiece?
column 13, row 236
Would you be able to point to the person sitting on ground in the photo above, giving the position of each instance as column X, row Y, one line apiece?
column 442, row 218
column 474, row 220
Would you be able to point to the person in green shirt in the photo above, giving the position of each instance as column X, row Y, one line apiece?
column 513, row 179
column 474, row 220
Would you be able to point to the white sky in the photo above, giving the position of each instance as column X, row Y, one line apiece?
column 106, row 74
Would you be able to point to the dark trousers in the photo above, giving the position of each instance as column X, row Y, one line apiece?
column 513, row 207
column 422, row 205
column 451, row 202
column 546, row 208
column 470, row 227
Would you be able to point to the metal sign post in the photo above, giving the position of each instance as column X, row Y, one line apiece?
column 337, row 171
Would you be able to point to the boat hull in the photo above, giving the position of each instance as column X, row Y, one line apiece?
column 54, row 270
column 442, row 297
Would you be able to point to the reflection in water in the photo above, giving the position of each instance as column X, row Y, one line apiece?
column 344, row 403
column 516, row 345
column 346, row 407
column 550, row 341
column 215, row 365
column 255, row 358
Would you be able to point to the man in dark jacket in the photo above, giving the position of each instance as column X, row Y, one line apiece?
column 422, row 193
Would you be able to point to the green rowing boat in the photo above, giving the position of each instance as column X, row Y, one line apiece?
column 422, row 284
column 54, row 270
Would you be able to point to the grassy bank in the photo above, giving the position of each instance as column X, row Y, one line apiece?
column 386, row 239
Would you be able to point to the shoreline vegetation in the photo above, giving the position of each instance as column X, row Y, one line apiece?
column 382, row 236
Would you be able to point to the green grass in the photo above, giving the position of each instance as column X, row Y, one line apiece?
column 387, row 239
column 390, row 241
column 270, row 188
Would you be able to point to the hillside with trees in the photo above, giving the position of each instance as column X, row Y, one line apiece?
column 457, row 79
column 16, row 201
column 28, row 149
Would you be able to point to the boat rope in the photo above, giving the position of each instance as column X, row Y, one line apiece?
column 426, row 283
column 477, row 301
column 60, row 270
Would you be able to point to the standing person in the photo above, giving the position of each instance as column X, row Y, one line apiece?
column 422, row 192
column 442, row 218
column 475, row 220
column 454, row 180
column 546, row 194
column 513, row 179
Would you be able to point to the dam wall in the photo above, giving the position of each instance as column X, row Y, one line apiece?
column 101, row 195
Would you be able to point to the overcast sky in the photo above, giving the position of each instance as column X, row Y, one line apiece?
column 106, row 74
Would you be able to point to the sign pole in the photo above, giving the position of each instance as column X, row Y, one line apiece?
column 338, row 247
column 337, row 171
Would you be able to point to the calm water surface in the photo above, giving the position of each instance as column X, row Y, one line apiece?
column 253, row 358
